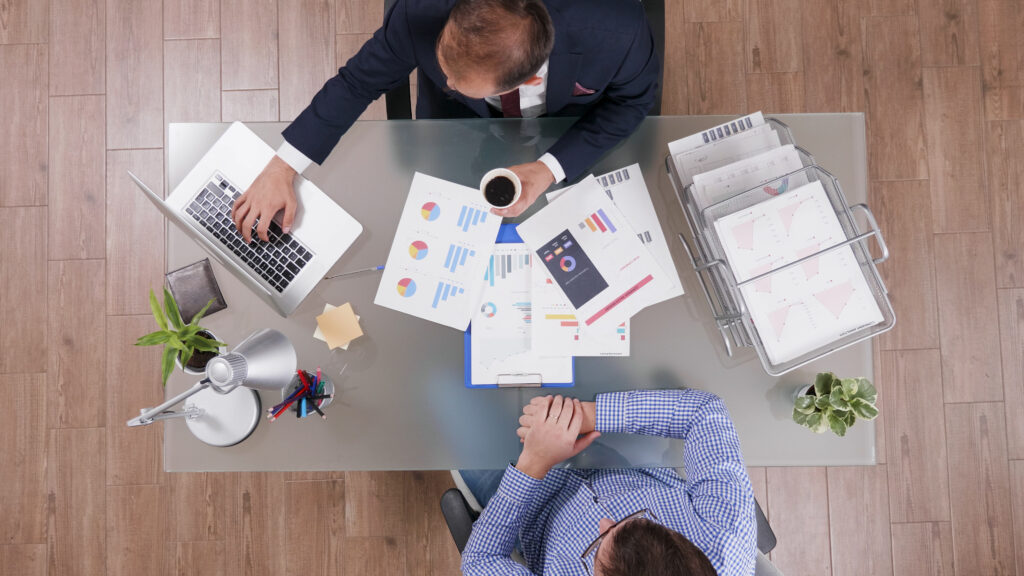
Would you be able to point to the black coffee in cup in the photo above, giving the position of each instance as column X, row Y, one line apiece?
column 500, row 191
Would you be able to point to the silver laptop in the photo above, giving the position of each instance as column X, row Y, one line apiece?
column 283, row 271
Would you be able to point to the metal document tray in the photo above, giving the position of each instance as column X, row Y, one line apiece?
column 719, row 284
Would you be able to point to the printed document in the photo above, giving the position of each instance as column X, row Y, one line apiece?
column 501, row 339
column 594, row 256
column 558, row 332
column 803, row 308
column 628, row 191
column 758, row 171
column 442, row 246
column 716, row 133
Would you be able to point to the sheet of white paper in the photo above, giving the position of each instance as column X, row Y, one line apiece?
column 594, row 256
column 716, row 133
column 749, row 173
column 501, row 339
column 557, row 331
column 626, row 187
column 726, row 151
column 803, row 308
column 444, row 239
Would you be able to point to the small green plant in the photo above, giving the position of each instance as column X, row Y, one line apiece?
column 835, row 404
column 179, row 339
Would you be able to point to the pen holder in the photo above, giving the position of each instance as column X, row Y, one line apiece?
column 326, row 388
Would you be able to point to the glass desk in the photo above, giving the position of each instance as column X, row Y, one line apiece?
column 401, row 401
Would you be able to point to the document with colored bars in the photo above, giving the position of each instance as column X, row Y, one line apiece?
column 502, row 345
column 594, row 256
column 627, row 189
column 442, row 246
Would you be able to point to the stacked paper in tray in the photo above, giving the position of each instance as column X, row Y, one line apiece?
column 801, row 309
column 807, row 306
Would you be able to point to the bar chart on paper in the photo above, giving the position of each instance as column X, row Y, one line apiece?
column 598, row 222
column 456, row 257
column 444, row 292
column 502, row 266
column 469, row 216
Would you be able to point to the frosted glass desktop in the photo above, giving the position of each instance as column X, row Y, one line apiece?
column 401, row 403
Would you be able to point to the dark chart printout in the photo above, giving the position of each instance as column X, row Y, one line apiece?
column 572, row 269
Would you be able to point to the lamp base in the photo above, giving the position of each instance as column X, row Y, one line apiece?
column 226, row 419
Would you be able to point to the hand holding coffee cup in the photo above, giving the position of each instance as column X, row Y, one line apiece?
column 530, row 181
column 501, row 187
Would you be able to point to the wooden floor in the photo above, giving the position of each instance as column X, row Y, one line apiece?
column 87, row 88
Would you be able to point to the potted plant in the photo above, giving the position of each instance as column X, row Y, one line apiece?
column 833, row 403
column 190, row 345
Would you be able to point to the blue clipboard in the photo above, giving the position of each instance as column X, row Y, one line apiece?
column 507, row 234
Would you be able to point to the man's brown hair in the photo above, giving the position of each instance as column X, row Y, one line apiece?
column 642, row 548
column 508, row 38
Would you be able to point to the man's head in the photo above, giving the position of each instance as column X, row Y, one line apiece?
column 489, row 47
column 641, row 547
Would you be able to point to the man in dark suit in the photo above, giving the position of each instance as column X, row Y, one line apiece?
column 594, row 59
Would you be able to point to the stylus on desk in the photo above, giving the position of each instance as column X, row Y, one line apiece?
column 374, row 269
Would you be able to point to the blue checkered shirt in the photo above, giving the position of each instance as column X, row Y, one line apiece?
column 557, row 518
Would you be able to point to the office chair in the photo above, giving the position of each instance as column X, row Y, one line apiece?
column 399, row 100
column 460, row 517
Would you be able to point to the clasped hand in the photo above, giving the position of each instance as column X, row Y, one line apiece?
column 550, row 432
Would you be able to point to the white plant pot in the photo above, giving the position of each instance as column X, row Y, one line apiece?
column 802, row 391
column 193, row 371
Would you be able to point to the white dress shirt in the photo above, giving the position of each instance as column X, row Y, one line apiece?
column 532, row 102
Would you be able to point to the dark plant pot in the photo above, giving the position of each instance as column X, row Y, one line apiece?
column 197, row 363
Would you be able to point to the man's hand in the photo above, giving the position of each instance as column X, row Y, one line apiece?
column 536, row 177
column 538, row 404
column 554, row 436
column 269, row 194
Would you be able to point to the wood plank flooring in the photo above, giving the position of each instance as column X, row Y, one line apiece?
column 89, row 85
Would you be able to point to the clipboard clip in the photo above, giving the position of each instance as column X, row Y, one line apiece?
column 520, row 380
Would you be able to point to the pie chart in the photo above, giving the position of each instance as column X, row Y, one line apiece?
column 418, row 250
column 430, row 211
column 489, row 309
column 567, row 263
column 406, row 287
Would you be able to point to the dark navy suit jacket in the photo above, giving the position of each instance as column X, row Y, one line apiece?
column 601, row 45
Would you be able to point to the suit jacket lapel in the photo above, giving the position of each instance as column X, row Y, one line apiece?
column 563, row 65
column 562, row 70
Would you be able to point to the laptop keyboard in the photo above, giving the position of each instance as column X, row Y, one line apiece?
column 278, row 261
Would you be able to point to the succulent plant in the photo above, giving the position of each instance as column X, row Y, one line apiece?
column 835, row 404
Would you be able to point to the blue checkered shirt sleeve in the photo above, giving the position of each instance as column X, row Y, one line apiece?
column 717, row 484
column 489, row 549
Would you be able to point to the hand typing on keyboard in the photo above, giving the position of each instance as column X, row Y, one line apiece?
column 271, row 192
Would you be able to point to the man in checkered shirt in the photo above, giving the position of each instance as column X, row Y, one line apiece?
column 617, row 522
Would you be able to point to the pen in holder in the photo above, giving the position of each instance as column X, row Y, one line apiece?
column 307, row 394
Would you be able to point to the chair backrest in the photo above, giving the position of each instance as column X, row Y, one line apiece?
column 655, row 11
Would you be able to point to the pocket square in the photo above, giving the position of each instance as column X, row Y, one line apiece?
column 579, row 90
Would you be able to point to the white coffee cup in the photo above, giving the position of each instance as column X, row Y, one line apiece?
column 498, row 192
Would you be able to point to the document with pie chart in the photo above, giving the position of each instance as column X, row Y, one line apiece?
column 501, row 336
column 442, row 246
column 810, row 305
column 594, row 256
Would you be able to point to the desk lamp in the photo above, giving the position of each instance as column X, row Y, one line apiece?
column 222, row 408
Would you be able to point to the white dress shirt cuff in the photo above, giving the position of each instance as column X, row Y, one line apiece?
column 291, row 155
column 552, row 163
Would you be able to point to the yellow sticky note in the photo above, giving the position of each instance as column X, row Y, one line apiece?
column 339, row 326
